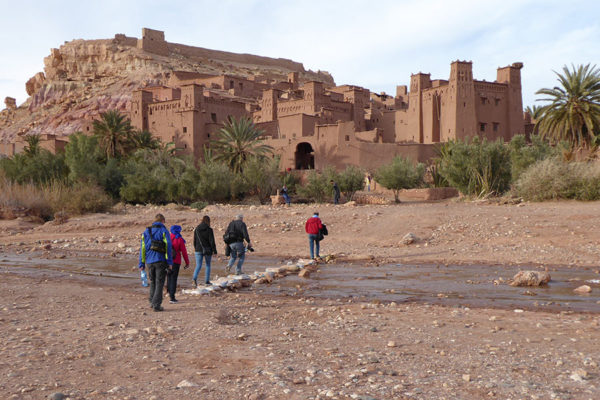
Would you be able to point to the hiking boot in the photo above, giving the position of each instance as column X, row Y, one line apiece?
column 195, row 283
column 157, row 309
column 208, row 283
column 174, row 301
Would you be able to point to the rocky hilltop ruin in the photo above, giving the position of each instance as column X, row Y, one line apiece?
column 83, row 78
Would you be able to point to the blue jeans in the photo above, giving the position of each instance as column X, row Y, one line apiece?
column 312, row 239
column 199, row 257
column 237, row 251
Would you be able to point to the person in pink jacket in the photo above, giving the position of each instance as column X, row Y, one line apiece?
column 179, row 250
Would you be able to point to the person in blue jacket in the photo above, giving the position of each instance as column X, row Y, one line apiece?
column 156, row 253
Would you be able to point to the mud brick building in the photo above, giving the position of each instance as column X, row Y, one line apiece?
column 313, row 124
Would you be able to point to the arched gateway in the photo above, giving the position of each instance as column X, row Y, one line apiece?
column 304, row 156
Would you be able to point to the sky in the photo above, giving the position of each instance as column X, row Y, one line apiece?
column 376, row 44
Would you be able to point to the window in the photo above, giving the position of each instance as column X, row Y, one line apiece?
column 241, row 86
column 497, row 101
column 496, row 125
column 230, row 84
column 213, row 117
column 347, row 138
column 185, row 129
column 483, row 100
column 482, row 126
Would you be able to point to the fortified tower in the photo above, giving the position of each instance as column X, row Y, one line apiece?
column 268, row 111
column 313, row 92
column 461, row 116
column 418, row 83
column 511, row 75
column 153, row 41
column 192, row 136
column 139, row 108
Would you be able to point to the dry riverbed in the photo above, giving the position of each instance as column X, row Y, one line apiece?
column 96, row 338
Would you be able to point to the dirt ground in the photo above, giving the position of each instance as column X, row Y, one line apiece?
column 94, row 338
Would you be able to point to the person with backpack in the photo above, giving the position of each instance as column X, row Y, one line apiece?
column 204, row 248
column 156, row 254
column 314, row 227
column 179, row 250
column 234, row 237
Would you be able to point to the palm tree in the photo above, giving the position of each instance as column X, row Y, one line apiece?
column 114, row 133
column 535, row 111
column 238, row 141
column 141, row 139
column 573, row 111
column 33, row 145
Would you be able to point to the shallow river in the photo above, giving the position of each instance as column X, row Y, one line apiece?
column 456, row 285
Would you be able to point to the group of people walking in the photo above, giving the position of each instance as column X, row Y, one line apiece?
column 161, row 253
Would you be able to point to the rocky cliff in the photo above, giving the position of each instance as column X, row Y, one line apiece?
column 83, row 78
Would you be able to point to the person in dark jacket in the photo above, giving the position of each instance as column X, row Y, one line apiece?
column 204, row 248
column 313, row 226
column 336, row 192
column 156, row 253
column 237, row 228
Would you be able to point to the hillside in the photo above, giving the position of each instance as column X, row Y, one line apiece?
column 83, row 78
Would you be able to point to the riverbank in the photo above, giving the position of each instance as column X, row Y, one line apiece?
column 541, row 234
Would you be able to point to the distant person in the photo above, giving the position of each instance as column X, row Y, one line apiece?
column 313, row 227
column 369, row 179
column 286, row 196
column 179, row 250
column 236, row 233
column 204, row 248
column 156, row 253
column 336, row 192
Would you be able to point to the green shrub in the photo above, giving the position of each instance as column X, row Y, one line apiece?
column 261, row 176
column 156, row 176
column 82, row 156
column 400, row 174
column 554, row 178
column 437, row 180
column 291, row 180
column 39, row 167
column 476, row 168
column 351, row 180
column 215, row 182
column 522, row 155
column 316, row 187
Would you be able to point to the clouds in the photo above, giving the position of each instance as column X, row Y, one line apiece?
column 375, row 44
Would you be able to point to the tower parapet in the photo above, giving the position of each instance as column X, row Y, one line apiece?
column 153, row 41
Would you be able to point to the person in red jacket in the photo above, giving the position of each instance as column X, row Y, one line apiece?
column 178, row 250
column 313, row 226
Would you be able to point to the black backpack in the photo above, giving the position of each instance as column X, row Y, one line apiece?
column 230, row 237
column 157, row 245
